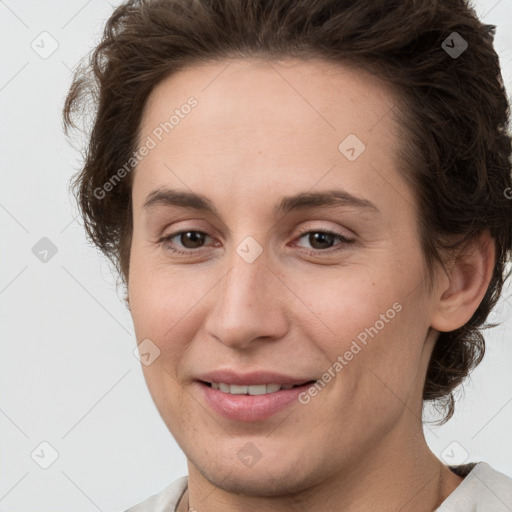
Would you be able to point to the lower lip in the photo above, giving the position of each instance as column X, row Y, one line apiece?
column 250, row 407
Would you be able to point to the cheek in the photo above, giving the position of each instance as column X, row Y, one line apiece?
column 161, row 305
column 347, row 304
column 161, row 296
column 374, row 323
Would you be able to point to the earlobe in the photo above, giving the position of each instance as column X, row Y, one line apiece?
column 468, row 279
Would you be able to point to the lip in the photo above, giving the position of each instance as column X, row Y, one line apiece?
column 250, row 408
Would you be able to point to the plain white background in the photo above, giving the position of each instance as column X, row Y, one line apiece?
column 68, row 376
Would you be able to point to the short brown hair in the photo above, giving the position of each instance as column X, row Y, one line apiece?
column 453, row 110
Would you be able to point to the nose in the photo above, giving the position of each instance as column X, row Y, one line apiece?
column 248, row 304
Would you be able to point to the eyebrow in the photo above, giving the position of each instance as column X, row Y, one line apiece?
column 301, row 201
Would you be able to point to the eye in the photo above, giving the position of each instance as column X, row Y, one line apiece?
column 193, row 240
column 190, row 240
column 320, row 241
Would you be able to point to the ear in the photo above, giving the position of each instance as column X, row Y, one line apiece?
column 461, row 290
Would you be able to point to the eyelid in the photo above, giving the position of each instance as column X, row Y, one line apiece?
column 334, row 231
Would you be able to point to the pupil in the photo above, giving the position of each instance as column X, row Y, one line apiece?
column 322, row 238
column 194, row 237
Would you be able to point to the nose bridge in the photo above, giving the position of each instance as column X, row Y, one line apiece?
column 244, row 284
column 245, row 305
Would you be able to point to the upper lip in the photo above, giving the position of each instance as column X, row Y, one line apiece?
column 251, row 378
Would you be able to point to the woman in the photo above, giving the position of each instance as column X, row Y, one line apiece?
column 307, row 203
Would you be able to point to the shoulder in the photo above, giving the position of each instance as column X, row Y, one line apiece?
column 483, row 489
column 164, row 501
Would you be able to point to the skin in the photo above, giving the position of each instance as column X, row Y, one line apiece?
column 263, row 130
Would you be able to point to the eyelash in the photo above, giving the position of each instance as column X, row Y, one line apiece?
column 164, row 241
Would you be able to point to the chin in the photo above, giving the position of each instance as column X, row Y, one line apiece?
column 263, row 482
column 276, row 475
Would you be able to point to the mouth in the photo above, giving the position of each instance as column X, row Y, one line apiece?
column 251, row 402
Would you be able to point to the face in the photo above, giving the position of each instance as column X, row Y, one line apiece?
column 271, row 247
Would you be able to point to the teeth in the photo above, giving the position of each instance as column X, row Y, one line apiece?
column 261, row 389
column 255, row 390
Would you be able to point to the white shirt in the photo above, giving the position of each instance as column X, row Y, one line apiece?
column 482, row 490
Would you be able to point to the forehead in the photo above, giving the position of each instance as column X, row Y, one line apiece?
column 281, row 93
column 257, row 121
